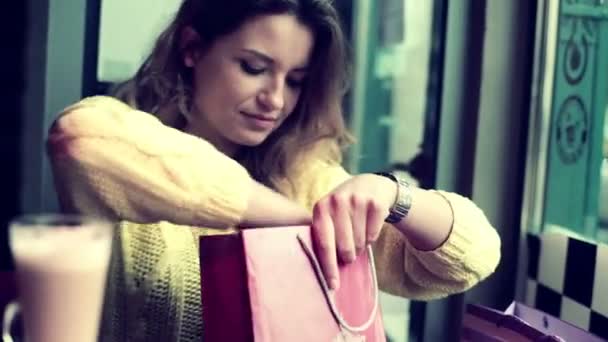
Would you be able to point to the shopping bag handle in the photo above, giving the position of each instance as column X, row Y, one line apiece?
column 330, row 299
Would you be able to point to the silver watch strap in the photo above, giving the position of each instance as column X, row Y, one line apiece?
column 403, row 202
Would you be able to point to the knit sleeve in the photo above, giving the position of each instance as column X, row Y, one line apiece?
column 111, row 160
column 470, row 254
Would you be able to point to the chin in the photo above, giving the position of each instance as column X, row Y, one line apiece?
column 251, row 139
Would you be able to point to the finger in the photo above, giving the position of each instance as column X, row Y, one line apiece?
column 345, row 243
column 359, row 221
column 375, row 220
column 325, row 243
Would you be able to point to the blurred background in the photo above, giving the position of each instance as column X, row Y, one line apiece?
column 502, row 101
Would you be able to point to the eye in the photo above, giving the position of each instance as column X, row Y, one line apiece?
column 250, row 69
column 295, row 83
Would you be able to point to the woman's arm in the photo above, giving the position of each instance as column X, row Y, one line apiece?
column 111, row 160
column 444, row 246
column 469, row 254
column 428, row 223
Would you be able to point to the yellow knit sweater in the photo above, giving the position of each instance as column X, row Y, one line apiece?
column 111, row 160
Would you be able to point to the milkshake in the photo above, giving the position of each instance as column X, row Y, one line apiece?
column 61, row 274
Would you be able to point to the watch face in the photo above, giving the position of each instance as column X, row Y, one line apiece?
column 571, row 130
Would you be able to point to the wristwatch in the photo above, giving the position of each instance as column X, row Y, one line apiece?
column 403, row 202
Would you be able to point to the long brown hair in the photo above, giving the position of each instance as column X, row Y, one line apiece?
column 162, row 85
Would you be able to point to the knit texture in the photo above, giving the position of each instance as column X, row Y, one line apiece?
column 113, row 161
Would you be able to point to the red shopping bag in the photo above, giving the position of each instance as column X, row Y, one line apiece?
column 519, row 323
column 266, row 285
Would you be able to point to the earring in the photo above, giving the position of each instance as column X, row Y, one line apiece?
column 188, row 61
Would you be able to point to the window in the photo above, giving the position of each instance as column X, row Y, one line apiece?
column 398, row 54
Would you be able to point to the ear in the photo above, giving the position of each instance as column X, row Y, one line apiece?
column 189, row 43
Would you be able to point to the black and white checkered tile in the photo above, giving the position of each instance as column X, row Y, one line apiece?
column 568, row 278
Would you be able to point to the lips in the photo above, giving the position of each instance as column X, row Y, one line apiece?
column 260, row 117
column 260, row 122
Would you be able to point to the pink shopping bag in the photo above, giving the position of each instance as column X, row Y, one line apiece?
column 266, row 285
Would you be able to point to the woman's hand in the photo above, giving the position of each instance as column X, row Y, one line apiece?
column 349, row 218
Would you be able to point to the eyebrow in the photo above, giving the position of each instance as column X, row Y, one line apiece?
column 269, row 59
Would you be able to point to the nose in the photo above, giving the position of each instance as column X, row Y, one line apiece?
column 272, row 97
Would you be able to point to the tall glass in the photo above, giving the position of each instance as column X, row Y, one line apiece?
column 61, row 263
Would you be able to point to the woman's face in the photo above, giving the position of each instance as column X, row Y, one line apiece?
column 248, row 82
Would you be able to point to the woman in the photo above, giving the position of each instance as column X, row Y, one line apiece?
column 234, row 121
